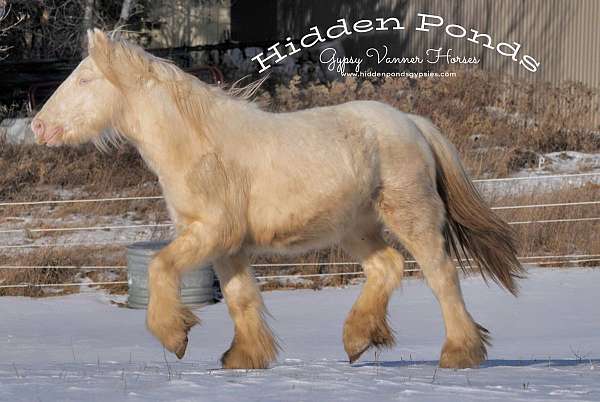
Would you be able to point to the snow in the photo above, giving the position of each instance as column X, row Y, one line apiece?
column 85, row 347
column 17, row 131
column 570, row 162
column 81, row 237
column 550, row 164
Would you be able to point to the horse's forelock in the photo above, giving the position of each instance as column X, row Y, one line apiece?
column 125, row 63
column 128, row 66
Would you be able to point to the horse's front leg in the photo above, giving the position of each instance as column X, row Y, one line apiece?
column 253, row 344
column 167, row 318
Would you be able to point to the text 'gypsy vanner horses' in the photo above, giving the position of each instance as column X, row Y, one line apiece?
column 239, row 180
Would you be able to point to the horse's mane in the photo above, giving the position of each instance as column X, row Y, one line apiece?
column 150, row 67
column 127, row 65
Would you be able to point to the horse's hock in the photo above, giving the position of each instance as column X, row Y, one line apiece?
column 197, row 285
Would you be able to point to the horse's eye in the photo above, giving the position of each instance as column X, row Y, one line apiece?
column 84, row 81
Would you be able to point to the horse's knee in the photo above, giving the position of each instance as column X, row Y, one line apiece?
column 155, row 269
column 387, row 267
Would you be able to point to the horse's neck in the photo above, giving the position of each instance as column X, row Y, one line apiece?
column 167, row 142
column 171, row 143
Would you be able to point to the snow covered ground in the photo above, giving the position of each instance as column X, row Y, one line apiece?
column 550, row 164
column 85, row 348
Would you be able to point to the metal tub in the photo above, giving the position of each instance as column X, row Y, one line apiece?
column 197, row 285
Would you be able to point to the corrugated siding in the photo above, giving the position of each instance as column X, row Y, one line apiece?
column 564, row 35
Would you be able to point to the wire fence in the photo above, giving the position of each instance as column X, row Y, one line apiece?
column 558, row 204
column 557, row 260
column 540, row 177
column 83, row 200
column 540, row 260
column 567, row 257
column 70, row 244
column 169, row 224
column 159, row 197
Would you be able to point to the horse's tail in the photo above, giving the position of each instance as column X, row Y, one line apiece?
column 471, row 225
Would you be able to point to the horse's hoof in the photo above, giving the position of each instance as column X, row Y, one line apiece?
column 236, row 358
column 180, row 351
column 469, row 352
column 461, row 356
column 362, row 332
column 352, row 357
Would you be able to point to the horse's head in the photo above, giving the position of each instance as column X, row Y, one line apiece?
column 85, row 104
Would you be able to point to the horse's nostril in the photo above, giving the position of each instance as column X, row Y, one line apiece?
column 37, row 126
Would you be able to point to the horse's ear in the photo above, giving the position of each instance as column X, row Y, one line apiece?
column 121, row 63
column 97, row 40
column 101, row 49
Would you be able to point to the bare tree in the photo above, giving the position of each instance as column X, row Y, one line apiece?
column 125, row 10
column 88, row 22
column 4, row 30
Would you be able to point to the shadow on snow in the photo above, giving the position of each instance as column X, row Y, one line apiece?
column 487, row 363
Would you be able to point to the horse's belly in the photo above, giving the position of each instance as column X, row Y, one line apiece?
column 292, row 244
column 284, row 229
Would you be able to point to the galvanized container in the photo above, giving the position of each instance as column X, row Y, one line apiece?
column 197, row 285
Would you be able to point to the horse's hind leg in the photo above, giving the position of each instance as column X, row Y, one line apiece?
column 418, row 224
column 253, row 345
column 367, row 325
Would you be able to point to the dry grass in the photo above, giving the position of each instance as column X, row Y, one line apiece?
column 499, row 126
column 80, row 256
column 29, row 171
column 563, row 238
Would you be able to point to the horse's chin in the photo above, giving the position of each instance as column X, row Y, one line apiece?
column 67, row 139
column 55, row 140
column 62, row 139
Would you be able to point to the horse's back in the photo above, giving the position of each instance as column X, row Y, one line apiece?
column 402, row 149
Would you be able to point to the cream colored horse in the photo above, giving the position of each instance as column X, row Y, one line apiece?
column 240, row 180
